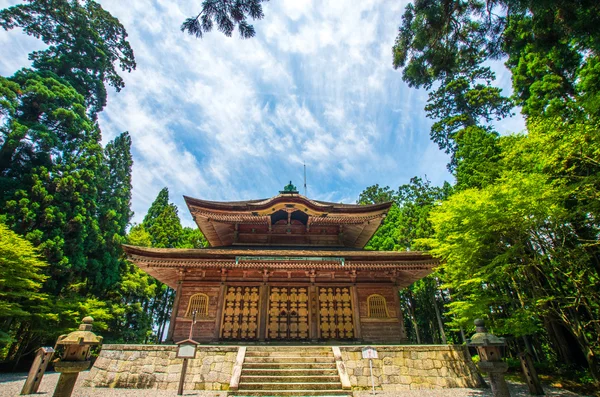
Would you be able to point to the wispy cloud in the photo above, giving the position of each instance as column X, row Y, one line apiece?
column 224, row 118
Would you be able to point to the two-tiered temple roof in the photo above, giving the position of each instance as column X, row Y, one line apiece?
column 284, row 237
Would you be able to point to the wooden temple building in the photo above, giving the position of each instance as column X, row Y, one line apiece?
column 286, row 268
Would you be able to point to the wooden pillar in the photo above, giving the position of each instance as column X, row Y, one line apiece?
column 356, row 312
column 262, row 311
column 219, row 315
column 175, row 309
column 314, row 313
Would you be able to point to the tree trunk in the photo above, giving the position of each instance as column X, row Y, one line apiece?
column 462, row 335
column 561, row 345
column 165, row 314
column 14, row 347
column 439, row 320
column 413, row 318
column 585, row 345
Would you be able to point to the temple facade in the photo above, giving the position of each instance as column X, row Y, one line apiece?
column 285, row 269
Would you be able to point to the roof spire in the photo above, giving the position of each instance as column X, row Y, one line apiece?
column 289, row 189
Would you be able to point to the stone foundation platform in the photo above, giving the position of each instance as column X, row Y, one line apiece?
column 411, row 367
column 156, row 367
column 399, row 367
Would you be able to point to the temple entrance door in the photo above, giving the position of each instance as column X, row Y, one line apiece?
column 240, row 313
column 288, row 313
column 335, row 313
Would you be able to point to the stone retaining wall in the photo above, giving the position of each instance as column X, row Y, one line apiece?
column 411, row 367
column 399, row 367
column 155, row 367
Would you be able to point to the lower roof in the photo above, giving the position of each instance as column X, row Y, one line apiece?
column 167, row 264
column 233, row 252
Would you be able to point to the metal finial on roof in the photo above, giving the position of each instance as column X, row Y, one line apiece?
column 289, row 189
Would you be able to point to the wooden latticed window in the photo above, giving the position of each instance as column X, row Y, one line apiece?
column 198, row 302
column 377, row 306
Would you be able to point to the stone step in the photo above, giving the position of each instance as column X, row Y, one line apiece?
column 289, row 378
column 243, row 386
column 293, row 393
column 290, row 371
column 287, row 359
column 289, row 353
column 288, row 365
column 284, row 347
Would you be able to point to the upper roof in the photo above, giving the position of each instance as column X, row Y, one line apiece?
column 288, row 219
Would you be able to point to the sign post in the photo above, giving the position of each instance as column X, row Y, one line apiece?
column 38, row 368
column 186, row 349
column 370, row 353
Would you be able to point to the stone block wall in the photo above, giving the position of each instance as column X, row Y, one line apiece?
column 156, row 367
column 411, row 367
column 398, row 367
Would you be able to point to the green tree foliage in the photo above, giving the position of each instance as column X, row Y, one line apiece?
column 21, row 279
column 447, row 42
column 550, row 48
column 85, row 44
column 51, row 191
column 406, row 222
column 376, row 195
column 519, row 235
column 59, row 188
column 226, row 14
column 148, row 301
column 520, row 251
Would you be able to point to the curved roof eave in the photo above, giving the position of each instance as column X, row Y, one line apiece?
column 257, row 205
column 229, row 252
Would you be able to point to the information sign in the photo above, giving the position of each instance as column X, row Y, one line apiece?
column 369, row 352
column 186, row 351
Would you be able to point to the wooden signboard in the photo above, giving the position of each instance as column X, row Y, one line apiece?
column 37, row 370
column 186, row 351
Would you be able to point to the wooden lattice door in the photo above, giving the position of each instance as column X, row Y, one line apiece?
column 335, row 313
column 288, row 313
column 240, row 313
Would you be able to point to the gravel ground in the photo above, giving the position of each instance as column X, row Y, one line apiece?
column 11, row 384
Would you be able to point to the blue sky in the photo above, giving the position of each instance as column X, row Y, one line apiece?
column 229, row 119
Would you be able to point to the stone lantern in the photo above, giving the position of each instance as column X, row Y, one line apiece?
column 75, row 356
column 489, row 349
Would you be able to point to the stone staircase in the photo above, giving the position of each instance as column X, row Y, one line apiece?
column 289, row 371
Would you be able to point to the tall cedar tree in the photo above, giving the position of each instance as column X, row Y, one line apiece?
column 519, row 236
column 58, row 187
column 86, row 43
column 161, row 228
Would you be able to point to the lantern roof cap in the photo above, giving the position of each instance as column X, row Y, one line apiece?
column 483, row 338
column 83, row 336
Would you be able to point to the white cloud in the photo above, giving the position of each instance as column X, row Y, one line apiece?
column 224, row 118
